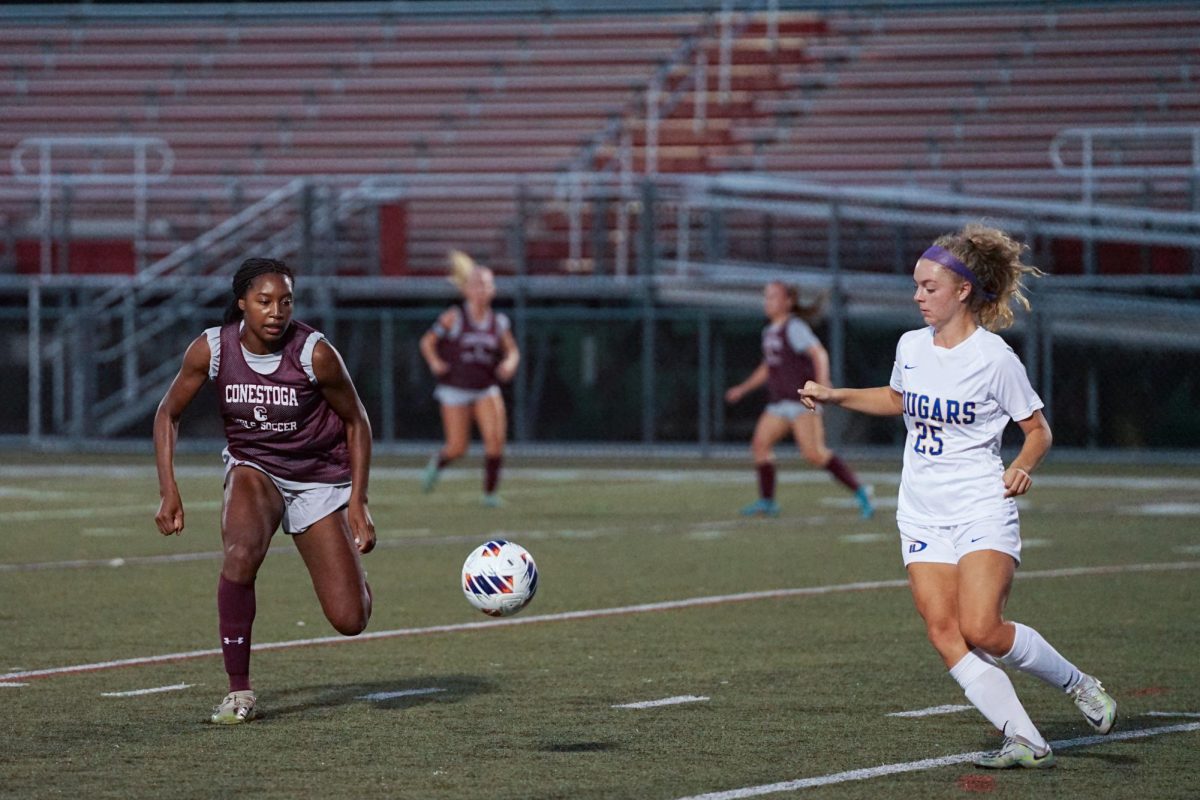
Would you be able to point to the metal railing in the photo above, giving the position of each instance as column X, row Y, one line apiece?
column 1090, row 173
column 97, row 151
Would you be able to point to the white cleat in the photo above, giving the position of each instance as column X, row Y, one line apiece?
column 236, row 708
column 1098, row 708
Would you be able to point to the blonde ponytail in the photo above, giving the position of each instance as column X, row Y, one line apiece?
column 462, row 266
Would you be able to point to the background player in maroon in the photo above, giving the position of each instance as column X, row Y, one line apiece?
column 471, row 350
column 299, row 449
column 792, row 354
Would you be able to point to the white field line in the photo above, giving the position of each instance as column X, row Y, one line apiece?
column 641, row 608
column 666, row 701
column 213, row 555
column 925, row 764
column 1171, row 714
column 10, row 685
column 91, row 512
column 175, row 687
column 931, row 711
column 401, row 693
column 803, row 475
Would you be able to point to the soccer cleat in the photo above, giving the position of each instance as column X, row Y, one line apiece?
column 236, row 708
column 1098, row 708
column 863, row 495
column 1017, row 751
column 492, row 500
column 761, row 507
column 430, row 475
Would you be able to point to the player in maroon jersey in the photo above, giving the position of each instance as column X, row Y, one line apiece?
column 471, row 351
column 792, row 355
column 298, row 455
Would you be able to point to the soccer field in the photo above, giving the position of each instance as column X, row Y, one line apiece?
column 784, row 648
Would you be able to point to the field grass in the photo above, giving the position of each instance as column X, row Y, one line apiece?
column 798, row 686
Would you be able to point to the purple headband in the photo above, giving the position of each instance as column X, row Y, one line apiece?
column 948, row 260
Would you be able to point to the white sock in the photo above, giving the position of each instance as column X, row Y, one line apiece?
column 990, row 690
column 1033, row 654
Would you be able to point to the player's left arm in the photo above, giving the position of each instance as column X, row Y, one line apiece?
column 512, row 357
column 1017, row 480
column 338, row 390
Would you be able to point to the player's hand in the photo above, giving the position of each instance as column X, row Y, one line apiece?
column 1016, row 482
column 814, row 393
column 505, row 371
column 734, row 394
column 169, row 518
column 439, row 367
column 362, row 527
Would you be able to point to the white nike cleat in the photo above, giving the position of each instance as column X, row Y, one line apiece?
column 236, row 708
column 1017, row 751
column 1098, row 708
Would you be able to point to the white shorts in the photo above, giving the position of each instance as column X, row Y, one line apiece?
column 454, row 396
column 946, row 544
column 303, row 503
column 787, row 409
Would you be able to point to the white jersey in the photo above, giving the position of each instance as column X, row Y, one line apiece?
column 957, row 402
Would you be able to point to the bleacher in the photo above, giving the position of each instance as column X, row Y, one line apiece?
column 251, row 106
column 972, row 102
column 966, row 102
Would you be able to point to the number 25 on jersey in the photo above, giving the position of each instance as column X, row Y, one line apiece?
column 929, row 439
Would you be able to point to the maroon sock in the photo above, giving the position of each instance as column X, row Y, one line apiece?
column 442, row 460
column 235, row 610
column 766, row 480
column 491, row 473
column 838, row 469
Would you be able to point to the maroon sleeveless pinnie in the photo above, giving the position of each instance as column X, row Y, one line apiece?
column 473, row 351
column 281, row 421
column 787, row 370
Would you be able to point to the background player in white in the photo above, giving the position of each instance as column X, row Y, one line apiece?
column 957, row 384
column 792, row 355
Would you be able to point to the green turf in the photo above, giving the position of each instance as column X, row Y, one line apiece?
column 798, row 686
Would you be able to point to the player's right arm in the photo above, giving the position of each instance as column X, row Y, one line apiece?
column 882, row 401
column 191, row 377
column 756, row 379
column 428, row 343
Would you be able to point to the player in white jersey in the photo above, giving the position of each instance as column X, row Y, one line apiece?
column 957, row 384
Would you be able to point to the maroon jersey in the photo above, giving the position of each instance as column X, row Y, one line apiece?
column 472, row 350
column 281, row 421
column 788, row 365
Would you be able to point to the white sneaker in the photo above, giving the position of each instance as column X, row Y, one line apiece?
column 236, row 708
column 1098, row 708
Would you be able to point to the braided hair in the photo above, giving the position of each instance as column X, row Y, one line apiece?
column 250, row 269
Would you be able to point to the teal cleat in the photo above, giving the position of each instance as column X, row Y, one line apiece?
column 1098, row 708
column 429, row 477
column 866, row 509
column 1017, row 751
column 492, row 501
column 761, row 507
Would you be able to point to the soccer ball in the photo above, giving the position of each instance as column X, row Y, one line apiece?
column 499, row 578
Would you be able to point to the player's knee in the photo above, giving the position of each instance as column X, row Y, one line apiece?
column 813, row 456
column 351, row 622
column 942, row 633
column 983, row 633
column 241, row 562
column 453, row 450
